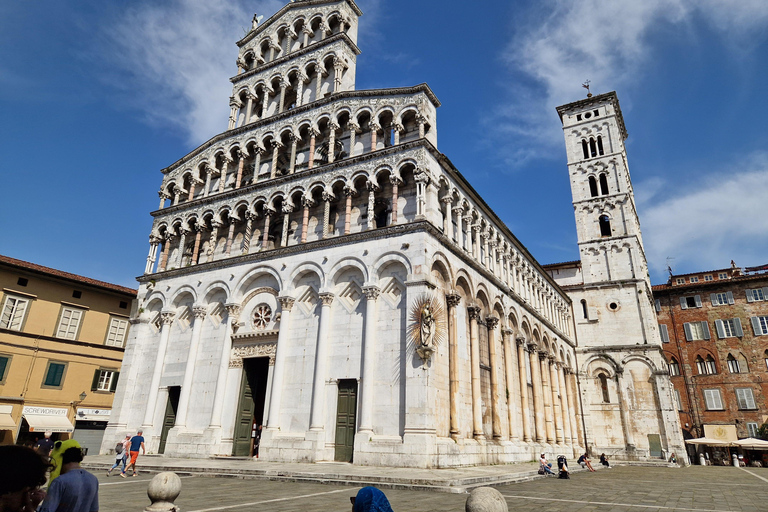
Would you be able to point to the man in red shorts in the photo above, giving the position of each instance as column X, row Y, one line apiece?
column 137, row 442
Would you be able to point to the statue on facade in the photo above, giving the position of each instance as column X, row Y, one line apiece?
column 255, row 21
column 427, row 325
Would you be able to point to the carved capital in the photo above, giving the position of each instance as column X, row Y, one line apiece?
column 491, row 322
column 371, row 186
column 520, row 340
column 268, row 210
column 395, row 180
column 374, row 126
column 276, row 144
column 507, row 333
column 474, row 312
column 447, row 199
column 287, row 208
column 353, row 126
column 349, row 191
column 327, row 196
column 166, row 317
column 286, row 303
column 326, row 299
column 453, row 299
column 307, row 202
column 233, row 310
column 371, row 292
column 200, row 311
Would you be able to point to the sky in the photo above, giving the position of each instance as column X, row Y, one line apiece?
column 96, row 97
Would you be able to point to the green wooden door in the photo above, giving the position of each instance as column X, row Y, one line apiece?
column 654, row 445
column 169, row 420
column 345, row 420
column 244, row 419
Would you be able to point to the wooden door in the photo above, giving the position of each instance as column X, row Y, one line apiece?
column 345, row 420
column 169, row 420
column 654, row 445
column 244, row 419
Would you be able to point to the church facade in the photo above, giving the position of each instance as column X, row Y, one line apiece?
column 323, row 284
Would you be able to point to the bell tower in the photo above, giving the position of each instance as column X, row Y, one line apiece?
column 626, row 387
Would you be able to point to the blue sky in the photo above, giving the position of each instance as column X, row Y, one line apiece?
column 96, row 97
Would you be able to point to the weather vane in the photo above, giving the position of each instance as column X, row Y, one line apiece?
column 586, row 86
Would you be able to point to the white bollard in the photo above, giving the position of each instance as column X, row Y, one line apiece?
column 163, row 490
column 702, row 460
column 735, row 460
column 486, row 499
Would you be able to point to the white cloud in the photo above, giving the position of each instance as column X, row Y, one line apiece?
column 561, row 43
column 719, row 219
column 177, row 57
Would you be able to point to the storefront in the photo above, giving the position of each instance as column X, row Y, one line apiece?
column 38, row 420
column 7, row 424
column 89, row 428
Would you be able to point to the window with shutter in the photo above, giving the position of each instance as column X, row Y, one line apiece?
column 4, row 360
column 69, row 323
column 745, row 398
column 712, row 400
column 757, row 294
column 719, row 328
column 759, row 325
column 664, row 333
column 55, row 374
column 13, row 313
column 105, row 380
column 657, row 305
column 678, row 400
column 687, row 329
column 117, row 331
column 752, row 429
column 697, row 300
column 683, row 303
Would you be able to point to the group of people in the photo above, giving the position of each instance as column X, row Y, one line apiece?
column 545, row 467
column 128, row 447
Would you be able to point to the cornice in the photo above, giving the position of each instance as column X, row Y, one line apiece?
column 339, row 96
column 272, row 19
column 621, row 348
column 286, row 58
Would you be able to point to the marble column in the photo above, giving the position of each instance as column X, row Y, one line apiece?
column 422, row 122
column 240, row 164
column 354, row 129
column 248, row 108
column 369, row 359
column 509, row 368
column 452, row 300
column 268, row 212
column 338, row 69
column 327, row 198
column 395, row 181
column 332, row 127
column 265, row 102
column 523, row 374
column 287, row 209
column 306, row 203
column 372, row 188
column 567, row 432
column 348, row 193
column 283, row 86
column 318, row 82
column 152, row 256
column 198, row 237
column 557, row 410
column 300, row 81
column 200, row 313
column 294, row 143
column 312, row 139
column 375, row 127
column 182, row 242
column 166, row 320
column 249, row 218
column 546, row 390
column 212, row 241
column 233, row 312
column 230, row 236
column 623, row 405
column 281, row 353
column 468, row 222
column 317, row 412
column 276, row 145
column 208, row 174
column 538, row 405
column 163, row 196
column 491, row 322
column 223, row 173
column 257, row 152
column 397, row 128
column 166, row 248
column 448, row 222
column 477, row 411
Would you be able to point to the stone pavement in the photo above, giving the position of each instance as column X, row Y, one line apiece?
column 619, row 489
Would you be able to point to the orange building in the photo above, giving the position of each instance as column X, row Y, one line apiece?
column 61, row 348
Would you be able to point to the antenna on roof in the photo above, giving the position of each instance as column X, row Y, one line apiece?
column 669, row 267
column 586, row 86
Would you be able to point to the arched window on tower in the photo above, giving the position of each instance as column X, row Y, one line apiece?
column 586, row 313
column 605, row 226
column 592, row 147
column 593, row 186
column 733, row 364
column 600, row 145
column 603, row 184
column 710, row 364
column 603, row 381
column 674, row 367
column 584, row 148
column 701, row 368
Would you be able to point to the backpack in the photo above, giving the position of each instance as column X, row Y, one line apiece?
column 119, row 448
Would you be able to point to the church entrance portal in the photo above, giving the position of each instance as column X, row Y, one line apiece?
column 345, row 420
column 169, row 420
column 250, row 411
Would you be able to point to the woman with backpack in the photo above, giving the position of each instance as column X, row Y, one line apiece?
column 121, row 454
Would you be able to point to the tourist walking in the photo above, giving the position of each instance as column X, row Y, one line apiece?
column 75, row 490
column 137, row 442
column 121, row 454
column 22, row 473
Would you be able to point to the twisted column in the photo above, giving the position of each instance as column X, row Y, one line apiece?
column 354, row 129
column 230, row 236
column 249, row 218
column 372, row 188
column 327, row 198
column 276, row 145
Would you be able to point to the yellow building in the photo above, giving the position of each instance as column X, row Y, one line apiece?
column 61, row 347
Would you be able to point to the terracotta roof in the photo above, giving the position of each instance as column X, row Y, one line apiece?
column 65, row 275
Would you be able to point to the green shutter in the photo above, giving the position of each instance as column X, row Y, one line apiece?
column 113, row 387
column 3, row 366
column 95, row 383
column 54, row 375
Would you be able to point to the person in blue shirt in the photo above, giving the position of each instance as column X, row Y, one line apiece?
column 137, row 442
column 75, row 490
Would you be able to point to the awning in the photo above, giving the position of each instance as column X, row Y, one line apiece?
column 6, row 422
column 45, row 423
column 752, row 443
column 707, row 441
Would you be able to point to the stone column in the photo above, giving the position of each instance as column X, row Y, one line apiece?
column 422, row 121
column 192, row 183
column 448, row 223
column 375, row 127
column 166, row 319
column 577, row 425
column 166, row 247
column 233, row 312
column 312, row 139
column 625, row 422
column 509, row 368
column 452, row 300
column 546, row 390
column 163, row 196
column 249, row 218
column 338, row 68
column 332, row 127
column 223, row 179
column 567, row 432
column 354, row 129
column 369, row 359
column 233, row 106
column 276, row 145
column 294, row 143
column 248, row 108
column 372, row 188
column 306, row 203
column 200, row 313
column 230, row 236
column 176, row 196
column 491, row 322
column 153, row 245
column 301, row 78
column 318, row 82
column 307, row 34
column 283, row 86
column 557, row 410
column 212, row 241
column 287, row 209
column 397, row 128
column 395, row 180
column 265, row 102
column 208, row 172
column 268, row 212
column 317, row 412
column 257, row 151
column 522, row 374
column 348, row 193
column 182, row 241
column 327, row 198
column 421, row 178
column 477, row 411
column 240, row 164
column 468, row 222
column 459, row 235
column 538, row 406
column 275, row 399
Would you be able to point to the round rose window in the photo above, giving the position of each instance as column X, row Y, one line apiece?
column 261, row 317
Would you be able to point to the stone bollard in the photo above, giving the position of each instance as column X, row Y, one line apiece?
column 702, row 459
column 486, row 499
column 735, row 460
column 163, row 490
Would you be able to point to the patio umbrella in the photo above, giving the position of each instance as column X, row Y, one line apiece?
column 751, row 443
column 708, row 441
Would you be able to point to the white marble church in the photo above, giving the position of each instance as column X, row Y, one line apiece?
column 321, row 274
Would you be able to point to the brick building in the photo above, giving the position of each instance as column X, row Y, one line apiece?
column 714, row 326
